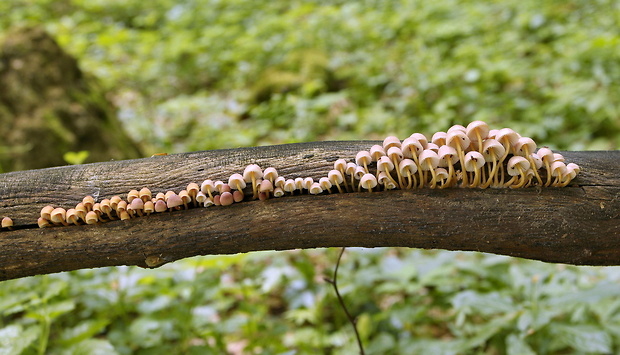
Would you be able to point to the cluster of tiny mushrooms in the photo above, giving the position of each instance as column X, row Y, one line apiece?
column 467, row 157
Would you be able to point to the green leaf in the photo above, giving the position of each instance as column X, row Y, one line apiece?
column 91, row 347
column 585, row 338
column 83, row 331
column 14, row 339
column 76, row 158
column 517, row 346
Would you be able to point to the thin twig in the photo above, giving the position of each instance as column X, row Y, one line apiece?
column 334, row 282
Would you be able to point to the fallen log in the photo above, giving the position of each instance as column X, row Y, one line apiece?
column 578, row 224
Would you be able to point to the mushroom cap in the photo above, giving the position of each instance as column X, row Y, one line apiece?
column 558, row 168
column 441, row 174
column 92, row 218
column 385, row 164
column 473, row 161
column 289, row 185
column 385, row 181
column 114, row 200
column 534, row 158
column 359, row 172
column 192, row 189
column 121, row 206
column 420, row 138
column 492, row 148
column 7, row 222
column 525, row 146
column 145, row 194
column 457, row 127
column 325, row 183
column 72, row 216
column 226, row 199
column 46, row 212
column 105, row 206
column 368, row 181
column 545, row 154
column 429, row 160
column 168, row 194
column 252, row 171
column 574, row 167
column 395, row 153
column 174, row 201
column 572, row 170
column 149, row 207
column 439, row 138
column 160, row 196
column 207, row 186
column 432, row 146
column 278, row 192
column 299, row 183
column 407, row 166
column 124, row 215
column 447, row 154
column 558, row 157
column 457, row 138
column 58, row 215
column 200, row 198
column 363, row 157
column 136, row 204
column 81, row 210
column 280, row 180
column 350, row 170
column 308, row 183
column 132, row 194
column 492, row 133
column 340, row 164
column 376, row 152
column 237, row 181
column 266, row 186
column 42, row 222
column 223, row 187
column 270, row 174
column 507, row 137
column 514, row 163
column 335, row 177
column 391, row 141
column 160, row 206
column 476, row 128
column 411, row 146
column 218, row 185
column 315, row 188
column 238, row 196
column 88, row 202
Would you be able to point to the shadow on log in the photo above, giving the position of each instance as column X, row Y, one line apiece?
column 578, row 224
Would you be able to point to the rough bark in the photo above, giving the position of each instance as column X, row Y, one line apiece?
column 578, row 224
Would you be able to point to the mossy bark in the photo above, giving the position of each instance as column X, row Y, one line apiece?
column 49, row 106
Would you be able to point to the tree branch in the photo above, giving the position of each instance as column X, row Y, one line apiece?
column 578, row 224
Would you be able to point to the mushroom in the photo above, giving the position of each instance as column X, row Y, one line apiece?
column 106, row 208
column 73, row 217
column 207, row 187
column 81, row 210
column 387, row 182
column 517, row 166
column 391, row 141
column 132, row 194
column 192, row 191
column 492, row 151
column 376, row 152
column 368, row 181
column 572, row 170
column 351, row 172
column 290, row 186
column 408, row 167
column 238, row 196
column 278, row 192
column 441, row 176
column 447, row 158
column 145, row 194
column 201, row 198
column 149, row 207
column 336, row 178
column 160, row 197
column 363, row 158
column 420, row 138
column 160, row 206
column 308, row 183
column 266, row 187
column 114, row 202
column 428, row 162
column 88, row 202
column 385, row 165
column 326, row 185
column 122, row 206
column 227, row 199
column 270, row 174
column 439, row 138
column 477, row 131
column 474, row 161
column 396, row 156
column 459, row 141
column 174, row 201
column 252, row 173
column 315, row 188
column 558, row 170
column 92, row 218
column 124, row 215
column 341, row 165
column 508, row 138
column 412, row 148
column 46, row 213
column 58, row 216
column 42, row 222
column 525, row 147
column 299, row 184
column 546, row 155
column 280, row 180
column 7, row 223
column 137, row 205
column 457, row 128
column 237, row 181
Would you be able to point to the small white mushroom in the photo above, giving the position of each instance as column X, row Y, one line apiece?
column 252, row 173
column 336, row 178
column 368, row 181
column 517, row 167
column 408, row 168
column 428, row 162
column 474, row 161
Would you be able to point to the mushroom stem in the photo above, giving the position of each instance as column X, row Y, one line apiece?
column 491, row 173
column 448, row 181
column 462, row 160
column 434, row 180
column 401, row 184
column 528, row 156
column 254, row 188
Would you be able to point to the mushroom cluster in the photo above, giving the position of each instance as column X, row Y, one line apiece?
column 469, row 157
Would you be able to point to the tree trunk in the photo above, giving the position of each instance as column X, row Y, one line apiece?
column 578, row 224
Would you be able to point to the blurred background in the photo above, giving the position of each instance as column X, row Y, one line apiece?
column 93, row 80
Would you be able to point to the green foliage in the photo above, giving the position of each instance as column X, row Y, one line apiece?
column 203, row 74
